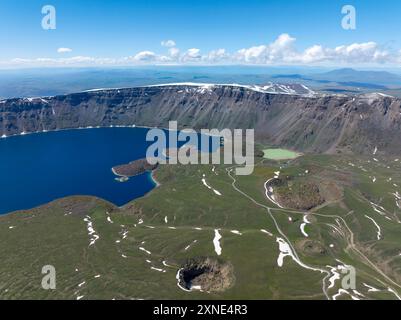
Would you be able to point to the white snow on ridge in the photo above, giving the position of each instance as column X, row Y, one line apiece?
column 271, row 88
column 269, row 193
column 144, row 250
column 124, row 234
column 158, row 269
column 384, row 95
column 190, row 245
column 267, row 232
column 311, row 92
column 303, row 225
column 178, row 278
column 36, row 99
column 379, row 235
column 379, row 209
column 373, row 96
column 297, row 89
column 395, row 293
column 216, row 242
column 285, row 250
column 209, row 187
column 103, row 89
column 91, row 231
column 343, row 291
column 371, row 289
column 397, row 199
column 334, row 277
column 108, row 218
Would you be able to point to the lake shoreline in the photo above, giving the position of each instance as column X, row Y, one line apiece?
column 87, row 157
column 122, row 198
column 155, row 181
column 134, row 126
column 150, row 173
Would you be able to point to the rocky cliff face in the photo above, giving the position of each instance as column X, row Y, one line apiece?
column 306, row 122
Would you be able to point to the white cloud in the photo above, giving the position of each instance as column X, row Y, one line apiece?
column 281, row 51
column 252, row 54
column 191, row 55
column 145, row 56
column 64, row 50
column 168, row 43
column 174, row 53
column 315, row 53
column 215, row 56
column 361, row 52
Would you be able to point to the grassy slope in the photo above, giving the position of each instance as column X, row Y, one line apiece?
column 49, row 235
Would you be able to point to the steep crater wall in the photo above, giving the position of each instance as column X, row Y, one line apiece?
column 320, row 123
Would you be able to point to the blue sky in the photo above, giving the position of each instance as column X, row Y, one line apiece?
column 116, row 31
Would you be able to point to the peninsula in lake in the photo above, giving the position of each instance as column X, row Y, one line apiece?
column 134, row 168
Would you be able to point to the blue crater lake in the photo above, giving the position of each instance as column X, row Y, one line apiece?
column 38, row 168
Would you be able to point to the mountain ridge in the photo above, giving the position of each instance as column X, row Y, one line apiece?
column 318, row 123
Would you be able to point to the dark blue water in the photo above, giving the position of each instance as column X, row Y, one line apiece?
column 38, row 168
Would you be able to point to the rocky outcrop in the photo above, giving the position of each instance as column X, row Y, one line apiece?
column 308, row 123
column 299, row 194
column 206, row 274
column 134, row 168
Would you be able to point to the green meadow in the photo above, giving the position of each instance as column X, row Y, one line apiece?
column 141, row 247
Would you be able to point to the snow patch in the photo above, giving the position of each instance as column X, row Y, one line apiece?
column 158, row 269
column 379, row 235
column 144, row 250
column 216, row 242
column 371, row 289
column 91, row 231
column 267, row 232
column 208, row 186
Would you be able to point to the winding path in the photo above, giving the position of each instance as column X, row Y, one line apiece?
column 350, row 239
column 297, row 259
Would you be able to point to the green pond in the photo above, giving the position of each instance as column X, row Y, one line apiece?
column 280, row 154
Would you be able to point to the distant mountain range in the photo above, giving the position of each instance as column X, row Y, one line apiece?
column 351, row 75
column 353, row 80
column 50, row 82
